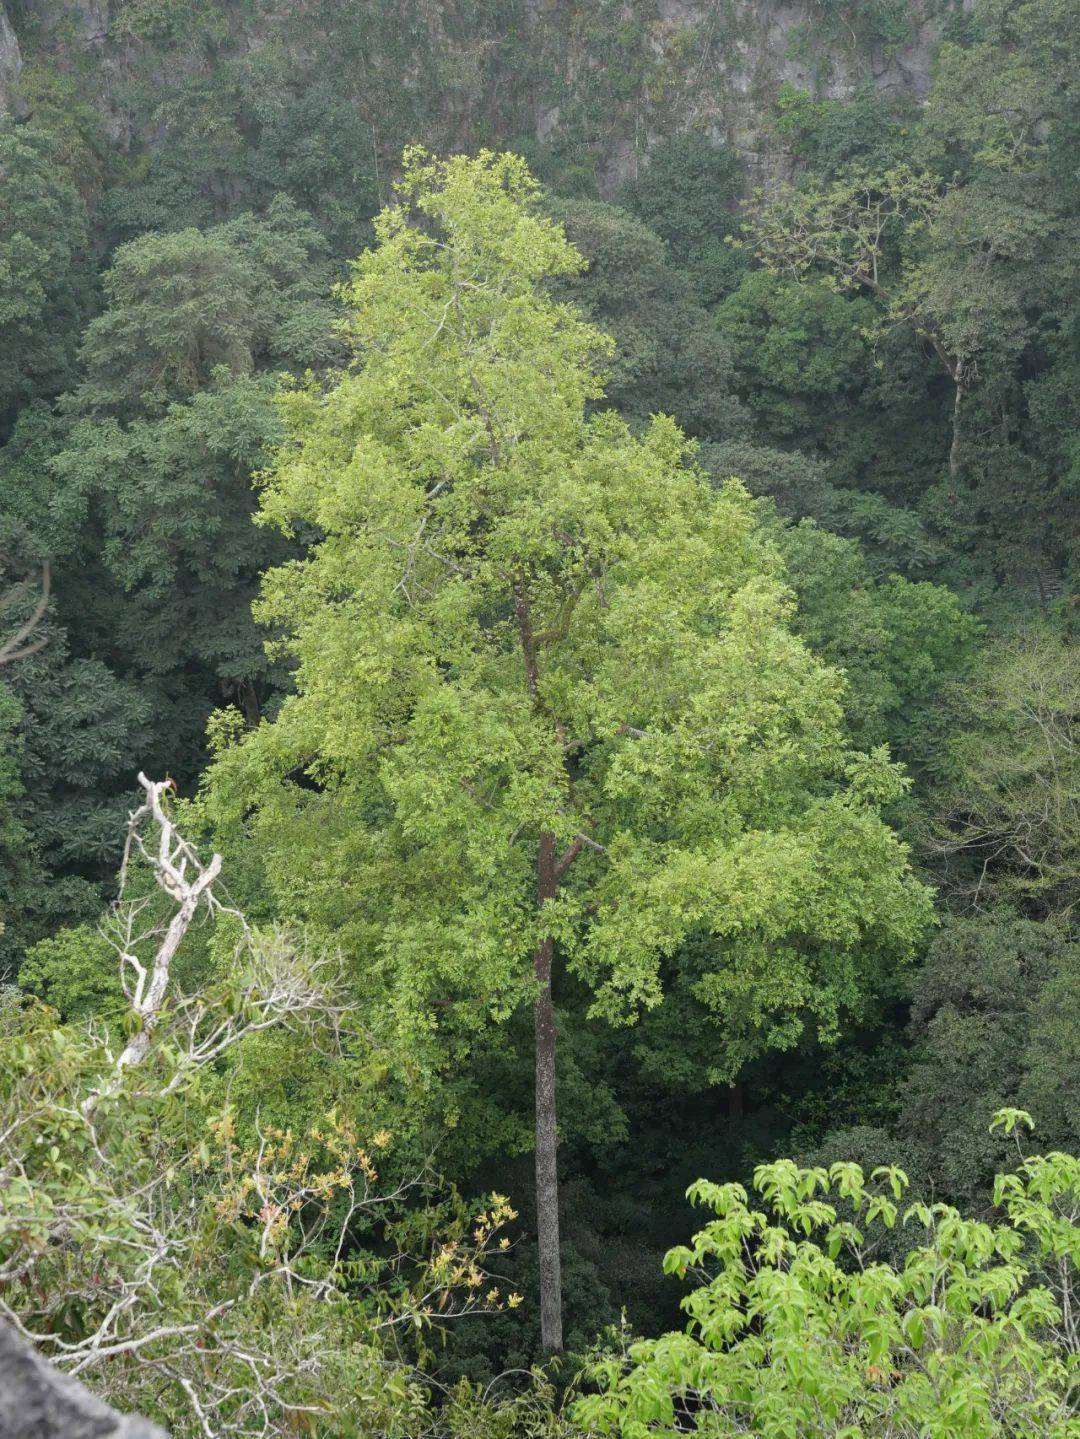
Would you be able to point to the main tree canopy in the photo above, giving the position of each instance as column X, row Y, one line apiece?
column 517, row 616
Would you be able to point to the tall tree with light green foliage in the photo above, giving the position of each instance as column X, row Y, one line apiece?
column 549, row 709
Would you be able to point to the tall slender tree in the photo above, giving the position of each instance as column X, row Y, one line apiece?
column 548, row 707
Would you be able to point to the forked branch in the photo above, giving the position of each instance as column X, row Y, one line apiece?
column 179, row 873
column 273, row 980
column 19, row 645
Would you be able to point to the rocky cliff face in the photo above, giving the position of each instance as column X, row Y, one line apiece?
column 600, row 77
column 717, row 64
column 10, row 61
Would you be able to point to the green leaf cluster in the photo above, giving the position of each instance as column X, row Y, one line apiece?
column 796, row 1326
column 524, row 618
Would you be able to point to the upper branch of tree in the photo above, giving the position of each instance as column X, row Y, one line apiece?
column 19, row 645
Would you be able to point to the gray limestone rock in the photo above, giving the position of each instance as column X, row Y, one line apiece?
column 38, row 1402
column 10, row 61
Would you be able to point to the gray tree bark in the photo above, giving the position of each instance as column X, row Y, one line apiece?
column 547, row 1173
column 954, row 448
column 549, row 869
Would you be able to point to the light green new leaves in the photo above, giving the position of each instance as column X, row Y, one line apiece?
column 798, row 1331
column 521, row 616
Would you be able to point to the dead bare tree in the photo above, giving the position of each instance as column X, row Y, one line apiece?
column 275, row 978
column 180, row 874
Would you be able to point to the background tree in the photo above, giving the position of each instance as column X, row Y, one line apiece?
column 1005, row 816
column 137, row 489
column 23, row 880
column 688, row 195
column 46, row 275
column 967, row 241
column 1000, row 124
column 901, row 644
column 802, row 357
column 853, row 233
column 668, row 353
column 995, row 1022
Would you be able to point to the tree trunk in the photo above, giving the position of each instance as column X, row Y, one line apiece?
column 954, row 448
column 547, row 1177
column 548, row 871
column 959, row 373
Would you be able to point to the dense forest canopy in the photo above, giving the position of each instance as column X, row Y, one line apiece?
column 539, row 687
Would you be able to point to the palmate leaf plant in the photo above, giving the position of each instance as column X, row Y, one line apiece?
column 798, row 1329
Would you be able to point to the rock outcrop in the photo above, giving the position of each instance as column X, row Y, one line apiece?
column 38, row 1402
column 610, row 77
column 10, row 61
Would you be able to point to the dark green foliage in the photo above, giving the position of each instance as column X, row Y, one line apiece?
column 80, row 145
column 815, row 378
column 82, row 724
column 669, row 356
column 140, row 492
column 1005, row 812
column 801, row 354
column 893, row 538
column 46, row 275
column 688, row 193
column 828, row 134
column 900, row 643
column 174, row 416
column 21, row 878
column 996, row 1021
column 179, row 306
column 170, row 498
